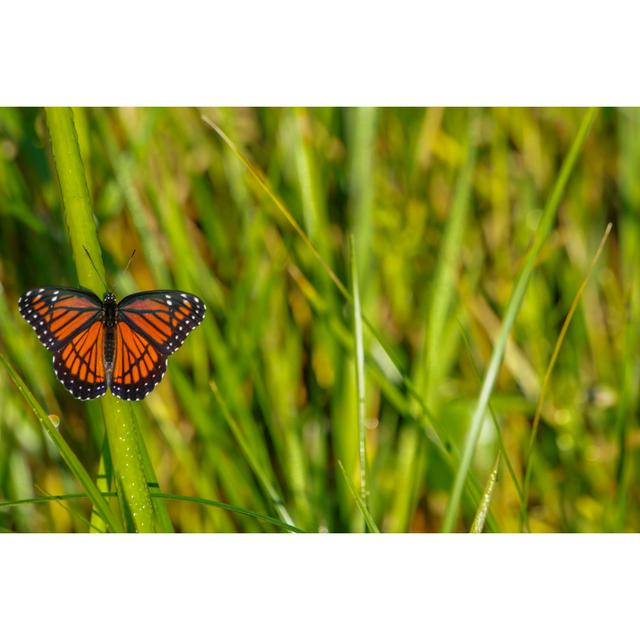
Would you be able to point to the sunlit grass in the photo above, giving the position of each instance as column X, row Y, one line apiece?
column 259, row 423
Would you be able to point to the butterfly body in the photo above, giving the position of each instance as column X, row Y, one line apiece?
column 109, row 320
column 110, row 310
column 102, row 344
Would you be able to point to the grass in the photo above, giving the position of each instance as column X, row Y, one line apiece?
column 125, row 447
column 286, row 410
column 543, row 229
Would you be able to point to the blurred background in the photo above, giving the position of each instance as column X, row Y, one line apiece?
column 443, row 205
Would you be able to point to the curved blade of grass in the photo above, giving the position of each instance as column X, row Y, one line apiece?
column 496, row 424
column 133, row 493
column 366, row 514
column 280, row 205
column 158, row 495
column 50, row 498
column 66, row 452
column 255, row 465
column 547, row 377
column 542, row 232
column 228, row 507
column 101, row 527
column 359, row 363
column 481, row 514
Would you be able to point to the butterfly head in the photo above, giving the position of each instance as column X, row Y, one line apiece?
column 109, row 298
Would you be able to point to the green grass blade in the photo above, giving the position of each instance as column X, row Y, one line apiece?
column 161, row 497
column 449, row 259
column 133, row 492
column 496, row 425
column 628, row 232
column 102, row 482
column 281, row 207
column 544, row 227
column 360, row 380
column 547, row 377
column 366, row 514
column 53, row 498
column 362, row 121
column 255, row 465
column 432, row 363
column 481, row 514
column 228, row 507
column 67, row 454
column 160, row 509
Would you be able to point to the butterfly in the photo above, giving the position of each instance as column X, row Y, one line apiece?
column 100, row 344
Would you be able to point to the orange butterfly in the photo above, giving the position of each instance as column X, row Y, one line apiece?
column 105, row 344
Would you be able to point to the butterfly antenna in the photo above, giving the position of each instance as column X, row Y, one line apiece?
column 93, row 264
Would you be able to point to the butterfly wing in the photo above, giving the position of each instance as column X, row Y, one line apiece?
column 59, row 315
column 165, row 318
column 151, row 326
column 138, row 364
column 79, row 364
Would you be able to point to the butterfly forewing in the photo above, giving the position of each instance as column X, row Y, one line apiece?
column 165, row 318
column 57, row 315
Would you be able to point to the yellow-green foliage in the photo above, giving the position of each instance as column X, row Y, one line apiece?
column 259, row 408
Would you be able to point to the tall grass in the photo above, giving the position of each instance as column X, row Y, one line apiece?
column 277, row 403
column 515, row 302
column 124, row 446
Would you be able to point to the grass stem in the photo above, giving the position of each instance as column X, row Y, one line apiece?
column 547, row 378
column 359, row 366
column 133, row 493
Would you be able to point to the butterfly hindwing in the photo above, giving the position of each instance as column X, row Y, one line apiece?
column 79, row 364
column 164, row 317
column 138, row 364
column 58, row 315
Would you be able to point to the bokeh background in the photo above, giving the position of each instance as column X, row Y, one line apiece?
column 422, row 191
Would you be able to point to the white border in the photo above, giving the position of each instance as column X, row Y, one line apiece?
column 336, row 52
column 320, row 586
